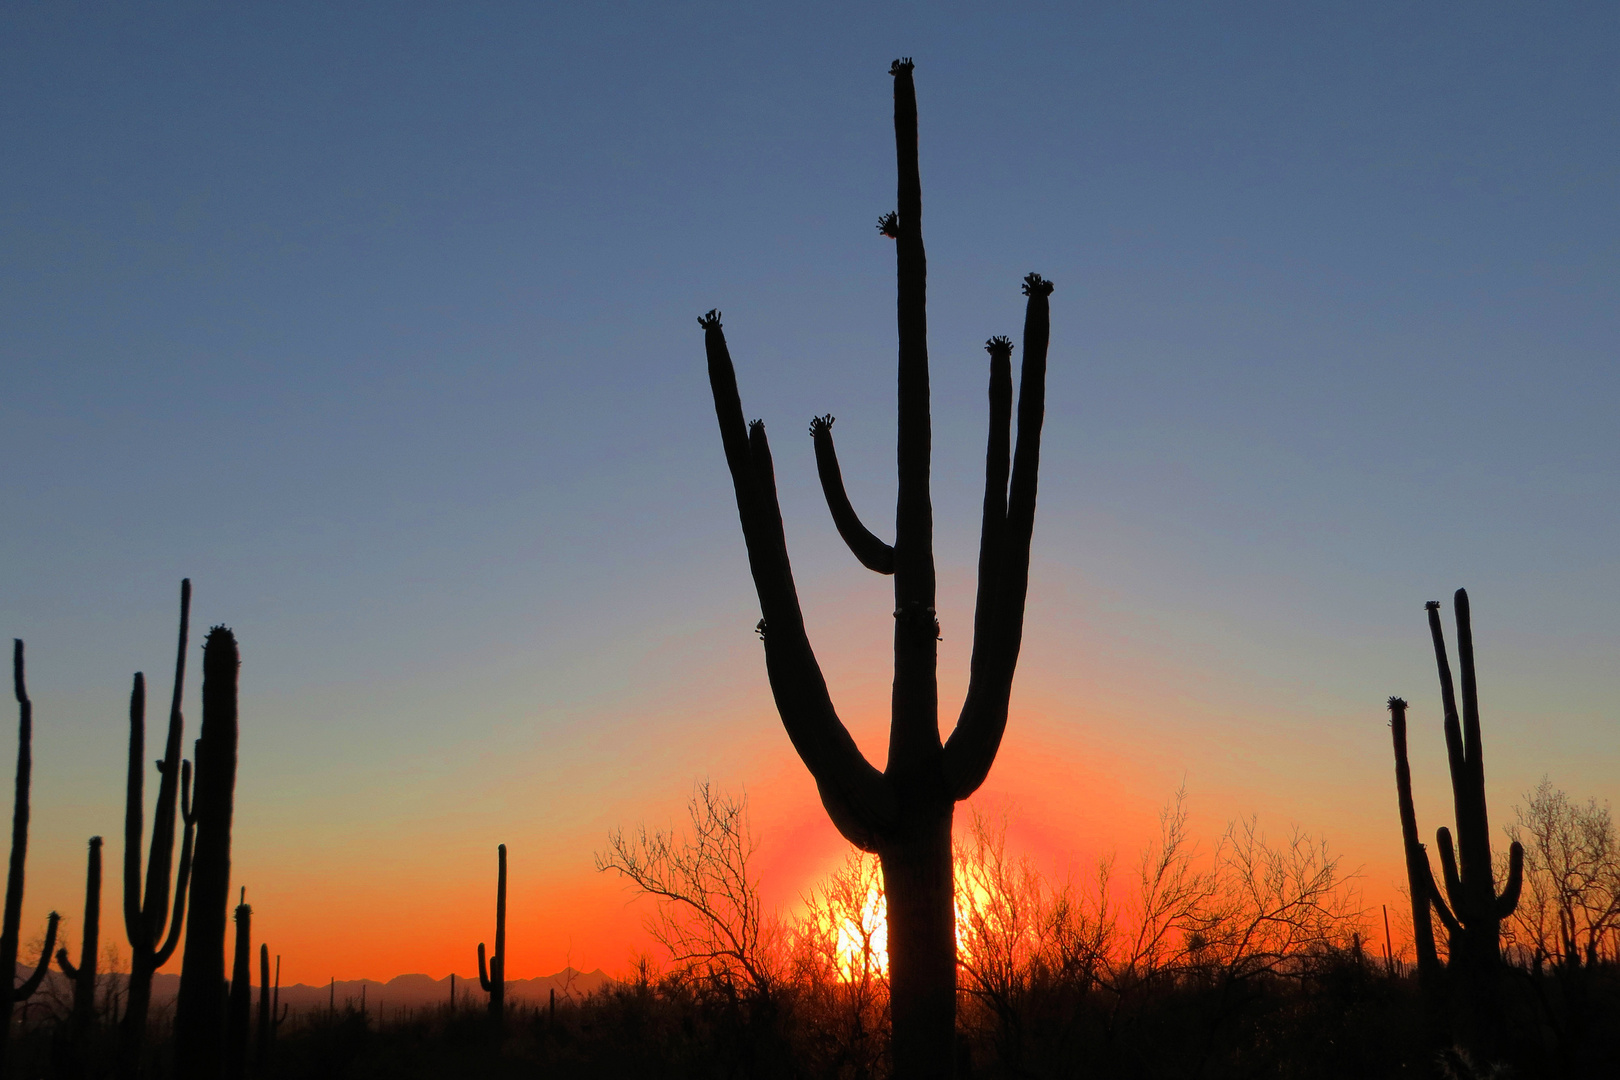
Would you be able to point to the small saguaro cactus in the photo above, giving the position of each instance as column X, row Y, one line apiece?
column 1471, row 908
column 11, row 993
column 903, row 813
column 199, row 1015
column 147, row 917
column 239, row 1011
column 271, row 1011
column 493, row 977
column 83, row 977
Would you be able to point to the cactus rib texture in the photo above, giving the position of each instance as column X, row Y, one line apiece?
column 903, row 812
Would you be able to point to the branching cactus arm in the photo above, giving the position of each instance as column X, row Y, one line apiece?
column 872, row 553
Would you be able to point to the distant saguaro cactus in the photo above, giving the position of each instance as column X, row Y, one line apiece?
column 83, row 977
column 199, row 1015
column 240, row 1009
column 1473, row 916
column 10, row 992
column 903, row 813
column 493, row 978
column 145, row 919
column 271, row 1011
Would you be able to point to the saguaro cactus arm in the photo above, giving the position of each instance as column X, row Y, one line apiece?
column 182, row 876
column 146, row 916
column 26, row 990
column 1004, row 548
column 873, row 553
column 11, row 928
column 856, row 795
column 483, row 970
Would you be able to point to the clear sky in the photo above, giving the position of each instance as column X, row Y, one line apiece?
column 378, row 321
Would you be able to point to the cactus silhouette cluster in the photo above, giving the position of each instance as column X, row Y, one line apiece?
column 1471, row 908
column 904, row 812
column 11, row 992
column 493, row 977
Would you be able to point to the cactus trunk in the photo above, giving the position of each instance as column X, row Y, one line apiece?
column 240, row 1008
column 200, row 1014
column 261, row 1047
column 904, row 812
column 493, row 978
column 147, row 917
column 83, row 977
column 11, row 993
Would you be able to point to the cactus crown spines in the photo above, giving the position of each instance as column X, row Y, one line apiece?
column 901, row 66
column 1035, row 285
column 1397, row 703
column 889, row 225
column 1432, row 605
column 756, row 427
column 999, row 346
column 820, row 425
column 710, row 320
column 219, row 637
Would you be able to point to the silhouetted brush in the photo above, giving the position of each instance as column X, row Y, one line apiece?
column 12, row 993
column 147, row 917
column 83, row 977
column 199, row 1016
column 904, row 812
column 493, row 977
column 240, row 1008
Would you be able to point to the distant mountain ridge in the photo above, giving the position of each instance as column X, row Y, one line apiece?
column 400, row 992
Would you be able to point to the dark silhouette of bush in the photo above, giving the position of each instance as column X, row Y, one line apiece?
column 903, row 813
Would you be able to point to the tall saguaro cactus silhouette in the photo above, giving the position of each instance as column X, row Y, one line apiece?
column 904, row 812
column 271, row 1011
column 199, row 1015
column 493, row 978
column 1471, row 908
column 11, row 993
column 147, row 917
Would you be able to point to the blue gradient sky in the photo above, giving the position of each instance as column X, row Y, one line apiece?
column 378, row 322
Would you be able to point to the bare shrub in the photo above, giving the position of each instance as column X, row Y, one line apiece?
column 707, row 912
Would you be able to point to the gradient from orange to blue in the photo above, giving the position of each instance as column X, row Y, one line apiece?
column 378, row 322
